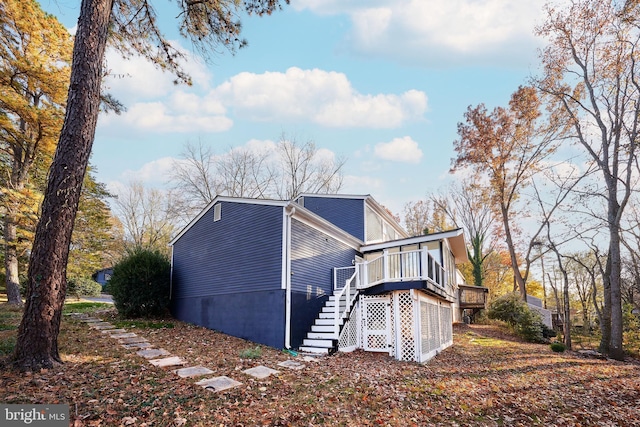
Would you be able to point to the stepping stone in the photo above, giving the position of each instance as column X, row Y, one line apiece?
column 151, row 353
column 311, row 359
column 168, row 361
column 113, row 331
column 137, row 345
column 291, row 364
column 260, row 372
column 193, row 371
column 98, row 324
column 218, row 383
column 90, row 320
column 103, row 327
column 132, row 340
column 125, row 335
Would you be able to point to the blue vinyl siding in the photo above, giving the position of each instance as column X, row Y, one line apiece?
column 227, row 274
column 348, row 214
column 313, row 257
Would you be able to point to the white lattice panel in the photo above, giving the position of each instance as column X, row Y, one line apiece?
column 447, row 324
column 424, row 327
column 349, row 334
column 406, row 327
column 434, row 326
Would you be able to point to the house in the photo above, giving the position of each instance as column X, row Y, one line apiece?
column 318, row 274
column 535, row 304
column 103, row 276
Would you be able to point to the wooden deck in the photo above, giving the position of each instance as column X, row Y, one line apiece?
column 472, row 296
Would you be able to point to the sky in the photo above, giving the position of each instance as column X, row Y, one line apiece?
column 382, row 83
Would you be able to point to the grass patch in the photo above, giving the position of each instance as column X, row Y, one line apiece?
column 143, row 324
column 7, row 345
column 487, row 342
column 251, row 353
column 83, row 306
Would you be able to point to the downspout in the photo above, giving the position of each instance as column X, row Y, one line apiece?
column 286, row 253
column 171, row 277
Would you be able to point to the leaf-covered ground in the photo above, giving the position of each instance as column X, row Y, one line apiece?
column 487, row 379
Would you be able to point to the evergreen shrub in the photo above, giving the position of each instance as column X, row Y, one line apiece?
column 510, row 308
column 140, row 284
column 83, row 286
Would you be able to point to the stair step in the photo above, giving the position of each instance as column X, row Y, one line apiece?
column 321, row 328
column 328, row 322
column 326, row 309
column 314, row 350
column 322, row 335
column 326, row 315
column 318, row 343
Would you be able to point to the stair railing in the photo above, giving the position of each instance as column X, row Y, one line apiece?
column 344, row 294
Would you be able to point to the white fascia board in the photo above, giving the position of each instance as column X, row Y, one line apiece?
column 225, row 199
column 414, row 240
column 307, row 217
column 335, row 196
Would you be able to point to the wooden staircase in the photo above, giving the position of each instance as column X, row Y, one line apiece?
column 323, row 338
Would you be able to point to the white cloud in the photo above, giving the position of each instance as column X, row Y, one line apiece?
column 404, row 150
column 323, row 97
column 439, row 32
column 152, row 174
column 154, row 104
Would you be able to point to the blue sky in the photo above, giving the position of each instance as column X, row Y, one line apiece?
column 380, row 82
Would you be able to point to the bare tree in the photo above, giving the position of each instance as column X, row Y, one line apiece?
column 592, row 75
column 147, row 215
column 468, row 205
column 304, row 170
column 282, row 171
column 418, row 217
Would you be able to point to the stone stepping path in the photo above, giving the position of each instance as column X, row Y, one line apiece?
column 291, row 364
column 162, row 358
column 113, row 331
column 218, row 383
column 193, row 371
column 260, row 372
column 168, row 361
column 153, row 353
column 138, row 345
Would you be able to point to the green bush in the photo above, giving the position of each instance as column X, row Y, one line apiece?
column 558, row 347
column 140, row 284
column 510, row 308
column 83, row 286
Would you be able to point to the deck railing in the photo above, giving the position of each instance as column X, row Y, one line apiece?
column 402, row 267
column 345, row 288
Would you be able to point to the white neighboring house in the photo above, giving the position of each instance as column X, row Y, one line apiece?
column 536, row 304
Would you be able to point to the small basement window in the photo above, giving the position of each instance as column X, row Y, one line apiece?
column 216, row 212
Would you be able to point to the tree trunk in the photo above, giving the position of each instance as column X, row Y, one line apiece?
column 517, row 276
column 605, row 323
column 615, row 347
column 11, row 260
column 567, row 311
column 37, row 343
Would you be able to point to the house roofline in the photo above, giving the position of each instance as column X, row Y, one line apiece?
column 455, row 238
column 306, row 216
column 369, row 200
column 267, row 202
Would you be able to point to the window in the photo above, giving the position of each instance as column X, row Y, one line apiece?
column 216, row 212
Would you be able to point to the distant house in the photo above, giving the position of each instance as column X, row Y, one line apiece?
column 318, row 274
column 103, row 276
column 535, row 304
